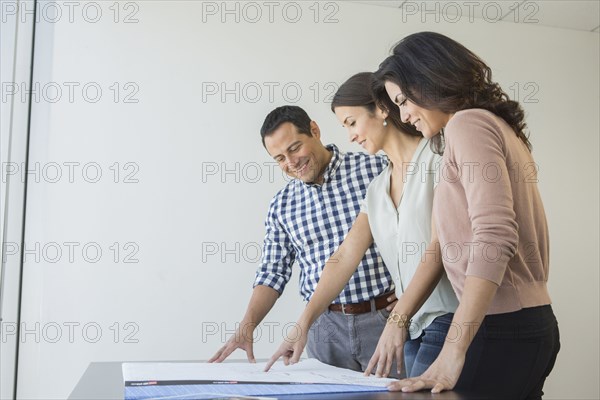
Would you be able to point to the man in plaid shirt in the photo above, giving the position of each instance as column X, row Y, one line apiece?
column 307, row 220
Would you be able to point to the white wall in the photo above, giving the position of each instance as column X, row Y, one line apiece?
column 171, row 217
column 7, row 53
column 15, row 66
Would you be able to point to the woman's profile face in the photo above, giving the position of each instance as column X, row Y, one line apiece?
column 428, row 122
column 364, row 127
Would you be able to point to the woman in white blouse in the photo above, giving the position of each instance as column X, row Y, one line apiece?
column 396, row 214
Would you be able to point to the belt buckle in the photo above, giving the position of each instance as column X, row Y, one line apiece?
column 344, row 310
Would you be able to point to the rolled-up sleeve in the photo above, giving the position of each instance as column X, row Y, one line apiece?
column 278, row 254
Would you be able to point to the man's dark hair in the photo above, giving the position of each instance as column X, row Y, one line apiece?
column 293, row 114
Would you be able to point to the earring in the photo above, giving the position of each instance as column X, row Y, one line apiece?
column 384, row 122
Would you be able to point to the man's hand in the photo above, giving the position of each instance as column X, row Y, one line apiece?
column 290, row 349
column 243, row 339
column 392, row 300
column 390, row 346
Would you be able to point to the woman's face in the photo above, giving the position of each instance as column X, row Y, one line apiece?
column 428, row 122
column 363, row 127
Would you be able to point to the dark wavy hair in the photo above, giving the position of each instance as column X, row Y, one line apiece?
column 293, row 114
column 436, row 72
column 358, row 91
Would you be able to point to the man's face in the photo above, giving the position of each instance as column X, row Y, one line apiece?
column 299, row 155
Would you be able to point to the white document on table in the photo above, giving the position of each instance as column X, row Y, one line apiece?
column 306, row 371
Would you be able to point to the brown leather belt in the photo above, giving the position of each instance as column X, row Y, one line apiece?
column 366, row 306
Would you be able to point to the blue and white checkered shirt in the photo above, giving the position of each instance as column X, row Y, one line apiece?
column 308, row 222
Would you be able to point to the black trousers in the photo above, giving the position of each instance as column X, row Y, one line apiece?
column 511, row 355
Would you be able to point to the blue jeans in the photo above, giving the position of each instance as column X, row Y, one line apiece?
column 421, row 352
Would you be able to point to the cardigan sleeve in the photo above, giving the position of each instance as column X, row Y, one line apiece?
column 476, row 141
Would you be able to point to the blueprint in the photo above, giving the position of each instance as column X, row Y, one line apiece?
column 226, row 380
